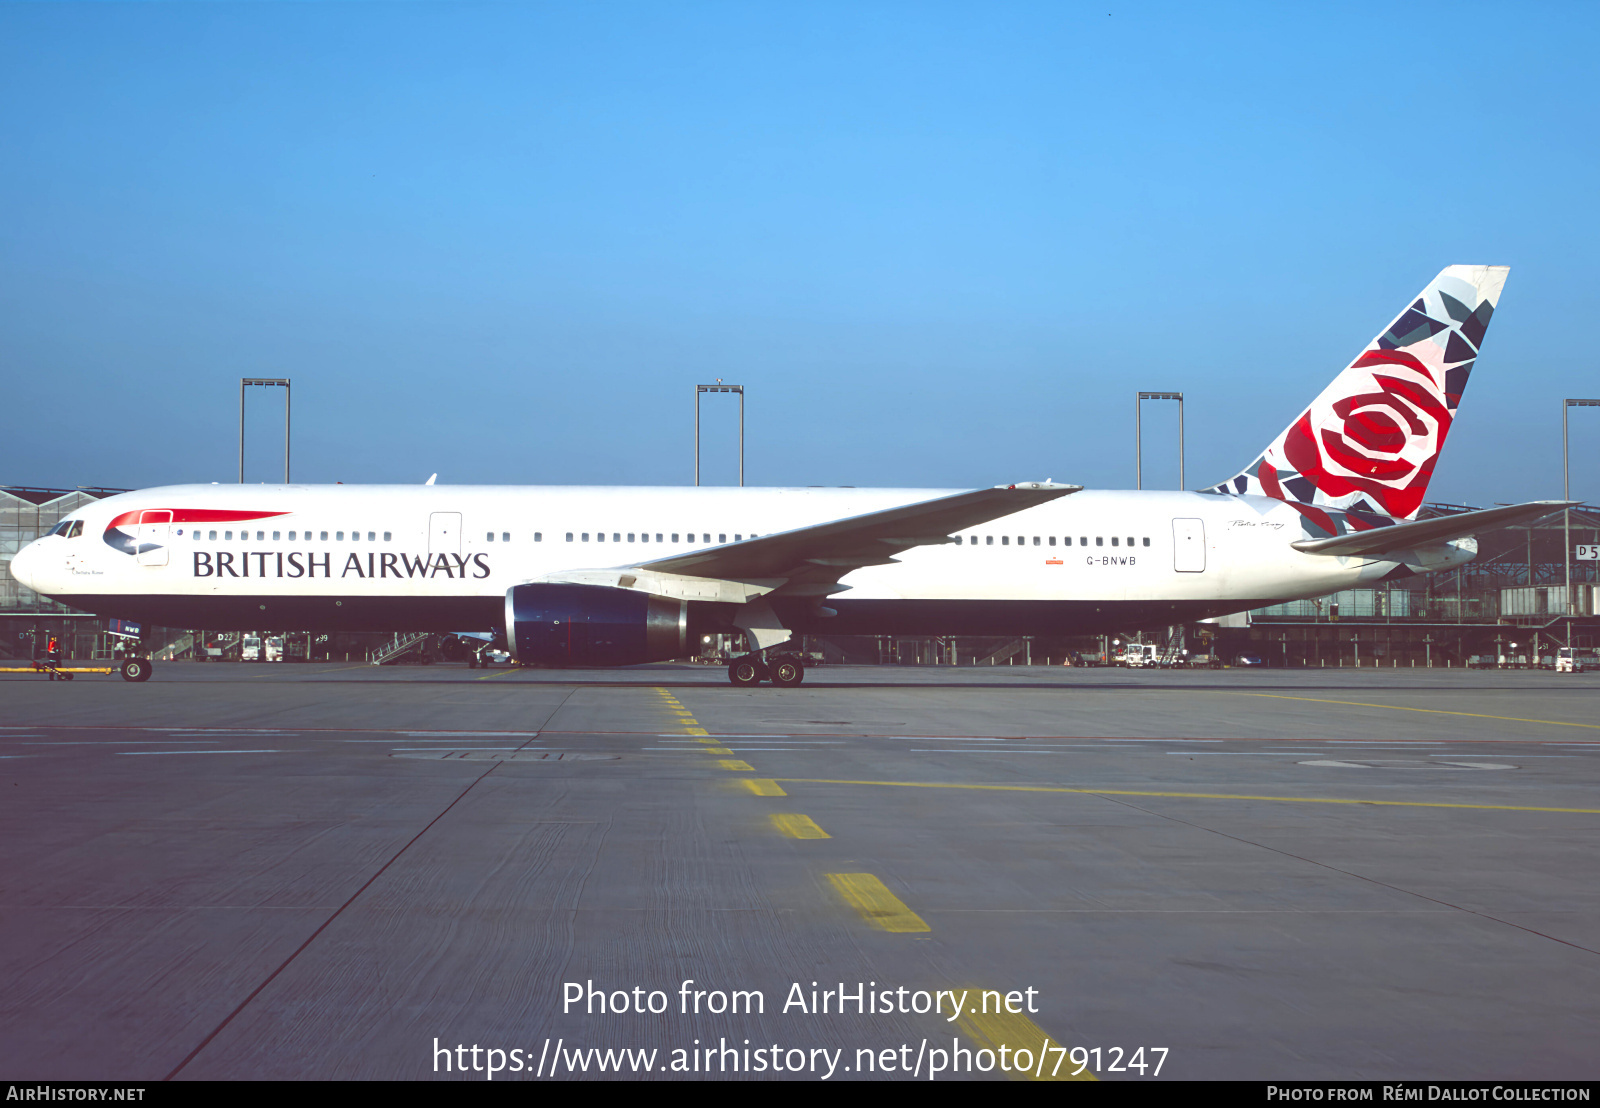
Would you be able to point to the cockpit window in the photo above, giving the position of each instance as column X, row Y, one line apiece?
column 67, row 528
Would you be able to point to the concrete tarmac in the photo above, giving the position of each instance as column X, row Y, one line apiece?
column 336, row 872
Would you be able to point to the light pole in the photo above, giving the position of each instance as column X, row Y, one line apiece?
column 1566, row 513
column 270, row 382
column 1138, row 434
column 718, row 387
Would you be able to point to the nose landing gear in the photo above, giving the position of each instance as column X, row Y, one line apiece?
column 136, row 669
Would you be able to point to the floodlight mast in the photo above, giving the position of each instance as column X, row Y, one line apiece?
column 269, row 382
column 1138, row 435
column 718, row 387
column 1566, row 513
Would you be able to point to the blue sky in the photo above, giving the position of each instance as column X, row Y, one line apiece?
column 941, row 244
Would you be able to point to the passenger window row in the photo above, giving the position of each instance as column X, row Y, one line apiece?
column 617, row 536
column 321, row 536
column 1050, row 540
column 644, row 536
column 294, row 536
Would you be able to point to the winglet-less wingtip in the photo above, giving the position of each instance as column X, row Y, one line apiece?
column 1045, row 484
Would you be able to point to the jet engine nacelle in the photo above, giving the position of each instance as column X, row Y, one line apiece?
column 593, row 625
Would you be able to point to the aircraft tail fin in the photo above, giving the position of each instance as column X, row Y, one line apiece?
column 1367, row 446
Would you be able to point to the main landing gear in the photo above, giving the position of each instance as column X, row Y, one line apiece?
column 785, row 671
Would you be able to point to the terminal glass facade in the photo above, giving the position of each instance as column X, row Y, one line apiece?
column 25, row 514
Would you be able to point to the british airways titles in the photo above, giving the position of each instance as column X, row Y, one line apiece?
column 295, row 563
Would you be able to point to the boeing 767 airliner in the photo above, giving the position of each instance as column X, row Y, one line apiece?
column 621, row 576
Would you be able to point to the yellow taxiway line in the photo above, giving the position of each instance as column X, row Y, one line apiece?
column 798, row 827
column 877, row 905
column 1402, row 708
column 1186, row 796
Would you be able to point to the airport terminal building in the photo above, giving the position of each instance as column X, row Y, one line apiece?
column 25, row 514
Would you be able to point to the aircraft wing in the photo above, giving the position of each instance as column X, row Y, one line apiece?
column 1422, row 532
column 823, row 553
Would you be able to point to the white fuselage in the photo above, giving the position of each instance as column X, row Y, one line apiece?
column 392, row 556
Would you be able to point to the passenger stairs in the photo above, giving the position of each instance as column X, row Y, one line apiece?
column 181, row 645
column 400, row 647
column 1001, row 654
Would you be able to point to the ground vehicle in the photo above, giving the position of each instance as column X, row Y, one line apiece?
column 1576, row 659
column 1137, row 654
column 1249, row 660
column 250, row 649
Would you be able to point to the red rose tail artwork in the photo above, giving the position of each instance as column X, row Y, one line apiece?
column 1361, row 455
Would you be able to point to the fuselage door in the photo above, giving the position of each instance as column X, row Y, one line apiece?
column 1189, row 545
column 151, row 540
column 444, row 533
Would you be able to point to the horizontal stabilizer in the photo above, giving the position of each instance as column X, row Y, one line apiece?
column 1409, row 536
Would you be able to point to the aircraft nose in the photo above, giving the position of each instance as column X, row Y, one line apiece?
column 25, row 564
